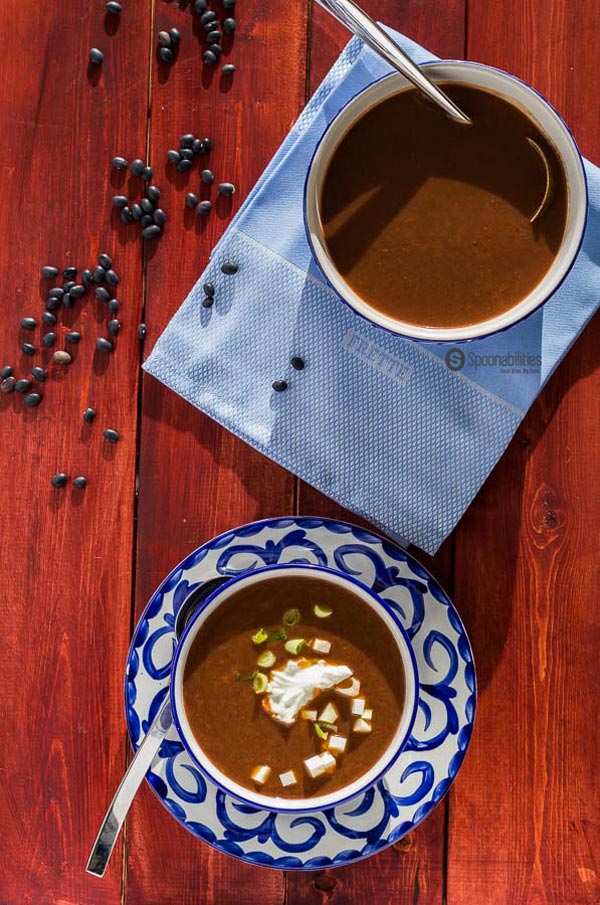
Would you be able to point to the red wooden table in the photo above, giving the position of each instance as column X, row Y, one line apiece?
column 522, row 823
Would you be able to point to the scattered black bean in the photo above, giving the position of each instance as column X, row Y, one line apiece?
column 279, row 386
column 112, row 277
column 104, row 345
column 40, row 374
column 113, row 7
column 69, row 273
column 197, row 145
column 297, row 363
column 216, row 49
column 228, row 69
column 119, row 200
column 137, row 167
column 199, row 7
column 105, row 260
column 208, row 302
column 175, row 35
column 32, row 399
column 23, row 385
column 160, row 218
column 49, row 272
column 102, row 294
column 146, row 220
column 99, row 274
column 56, row 292
column 96, row 56
column 67, row 301
column 28, row 323
column 141, row 331
column 187, row 140
column 6, row 372
column 207, row 177
column 209, row 290
column 166, row 54
column 151, row 232
column 52, row 303
column 186, row 153
column 62, row 358
column 27, row 349
column 59, row 480
column 228, row 4
column 80, row 482
column 147, row 173
column 87, row 277
column 126, row 215
column 146, row 205
column 73, row 337
column 111, row 435
column 113, row 306
column 184, row 165
column 7, row 385
column 153, row 192
column 213, row 37
column 119, row 163
column 226, row 188
column 209, row 58
column 209, row 16
column 173, row 156
column 229, row 26
column 48, row 340
column 164, row 38
column 136, row 211
column 229, row 267
column 114, row 326
column 89, row 415
column 77, row 291
column 203, row 208
column 191, row 200
column 206, row 145
column 48, row 318
column 68, row 285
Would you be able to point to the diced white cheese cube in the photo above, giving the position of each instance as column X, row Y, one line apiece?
column 328, row 761
column 361, row 726
column 349, row 691
column 260, row 775
column 329, row 714
column 358, row 706
column 367, row 715
column 320, row 646
column 337, row 744
column 309, row 715
column 288, row 779
column 314, row 766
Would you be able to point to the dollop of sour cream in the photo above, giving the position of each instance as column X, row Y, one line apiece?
column 292, row 688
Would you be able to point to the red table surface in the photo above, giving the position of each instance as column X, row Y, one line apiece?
column 521, row 824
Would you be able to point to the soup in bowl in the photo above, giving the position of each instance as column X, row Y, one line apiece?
column 294, row 687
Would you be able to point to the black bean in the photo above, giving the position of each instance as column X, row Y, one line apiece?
column 137, row 167
column 228, row 4
column 96, row 56
column 229, row 267
column 40, row 374
column 114, row 326
column 209, row 289
column 166, row 54
column 199, row 7
column 209, row 58
column 279, row 386
column 160, row 218
column 213, row 37
column 87, row 277
column 146, row 205
column 6, row 372
column 126, row 215
column 52, row 303
column 113, row 7
column 153, row 192
column 184, row 165
column 49, row 272
column 48, row 340
column 173, row 156
column 206, row 146
column 113, row 306
column 147, row 173
column 146, row 220
column 191, row 200
column 7, row 385
column 151, row 232
column 105, row 260
column 112, row 277
column 80, row 482
column 229, row 26
column 62, row 358
column 67, row 300
column 216, row 49
column 68, row 285
column 27, row 349
column 209, row 16
column 73, row 337
column 102, row 294
column 32, row 399
column 28, row 323
column 226, row 188
column 203, row 208
column 141, row 331
column 104, row 345
column 119, row 163
column 111, row 435
column 119, row 200
column 197, row 145
column 209, row 26
column 297, row 363
column 99, row 274
column 48, row 318
column 208, row 302
column 23, row 385
column 69, row 273
column 59, row 480
column 164, row 38
column 56, row 292
column 136, row 211
column 186, row 153
column 175, row 35
column 207, row 177
column 228, row 69
column 187, row 140
column 89, row 415
column 77, row 291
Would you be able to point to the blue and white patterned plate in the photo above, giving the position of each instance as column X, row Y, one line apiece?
column 418, row 779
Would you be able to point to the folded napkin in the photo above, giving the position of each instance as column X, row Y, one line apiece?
column 381, row 424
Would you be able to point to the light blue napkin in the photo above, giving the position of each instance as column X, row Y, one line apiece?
column 379, row 423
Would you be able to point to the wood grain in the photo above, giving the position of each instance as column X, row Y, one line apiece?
column 66, row 555
column 524, row 816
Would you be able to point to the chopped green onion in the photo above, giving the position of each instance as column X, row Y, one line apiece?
column 291, row 618
column 245, row 676
column 322, row 611
column 259, row 636
column 295, row 646
column 266, row 659
column 260, row 682
column 320, row 731
column 278, row 635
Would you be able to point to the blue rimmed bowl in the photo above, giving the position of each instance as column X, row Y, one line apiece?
column 333, row 799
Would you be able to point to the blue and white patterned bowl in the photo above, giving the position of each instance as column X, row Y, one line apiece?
column 414, row 784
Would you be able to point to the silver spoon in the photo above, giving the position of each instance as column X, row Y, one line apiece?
column 107, row 836
column 549, row 184
column 359, row 23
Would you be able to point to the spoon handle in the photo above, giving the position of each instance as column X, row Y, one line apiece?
column 359, row 23
column 132, row 780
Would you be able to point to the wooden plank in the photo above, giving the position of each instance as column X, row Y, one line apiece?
column 66, row 554
column 523, row 821
column 195, row 478
column 413, row 870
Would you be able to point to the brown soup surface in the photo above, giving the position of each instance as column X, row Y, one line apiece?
column 228, row 717
column 427, row 220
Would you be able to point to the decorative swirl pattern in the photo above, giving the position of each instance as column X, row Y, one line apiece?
column 423, row 772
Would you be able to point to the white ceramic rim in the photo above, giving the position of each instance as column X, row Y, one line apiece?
column 391, row 753
column 549, row 122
